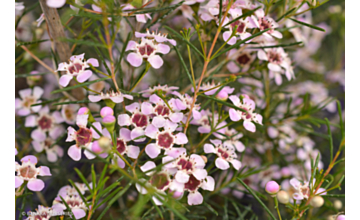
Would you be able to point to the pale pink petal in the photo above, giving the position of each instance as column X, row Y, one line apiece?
column 150, row 165
column 125, row 134
column 36, row 185
column 200, row 163
column 274, row 67
column 120, row 162
column 163, row 48
column 156, row 61
column 133, row 151
column 176, row 186
column 82, row 77
column 81, row 120
column 235, row 99
column 176, row 151
column 74, row 153
column 176, row 117
column 124, row 120
column 158, row 121
column 55, row 3
column 25, row 93
column 140, row 18
column 137, row 132
column 222, row 164
column 146, row 108
column 249, row 126
column 87, row 153
column 44, row 171
column 37, row 146
column 64, row 80
column 152, row 150
column 239, row 146
column 18, row 181
column 200, row 174
column 236, row 164
column 295, row 183
column 204, row 129
column 93, row 62
column 71, row 131
column 94, row 98
column 232, row 67
column 30, row 121
column 78, row 213
column 234, row 115
column 37, row 92
column 151, row 131
column 297, row 196
column 134, row 59
column 182, row 177
column 181, row 139
column 226, row 36
column 209, row 148
column 117, row 99
column 195, row 198
column 56, row 132
column 131, row 45
column 132, row 107
column 208, row 184
column 58, row 118
column 277, row 34
column 262, row 55
column 38, row 135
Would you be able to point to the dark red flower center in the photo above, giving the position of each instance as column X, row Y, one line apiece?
column 274, row 57
column 83, row 136
column 146, row 50
column 140, row 120
column 165, row 140
column 160, row 180
column 162, row 110
column 223, row 153
column 120, row 146
column 28, row 171
column 28, row 101
column 243, row 59
column 264, row 24
column 185, row 164
column 192, row 184
column 240, row 28
column 45, row 122
column 75, row 68
column 73, row 202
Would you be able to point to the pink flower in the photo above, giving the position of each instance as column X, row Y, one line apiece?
column 45, row 123
column 76, row 67
column 225, row 155
column 193, row 185
column 205, row 122
column 264, row 22
column 279, row 63
column 231, row 138
column 28, row 172
column 28, row 98
column 69, row 113
column 239, row 60
column 53, row 152
column 164, row 139
column 146, row 50
column 116, row 97
column 83, row 137
column 272, row 187
column 302, row 190
column 43, row 213
column 241, row 25
column 247, row 115
column 75, row 203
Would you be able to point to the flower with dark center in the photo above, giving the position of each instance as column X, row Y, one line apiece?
column 27, row 171
column 28, row 97
column 140, row 120
column 165, row 140
column 76, row 68
column 116, row 97
column 160, row 180
column 83, row 136
column 225, row 155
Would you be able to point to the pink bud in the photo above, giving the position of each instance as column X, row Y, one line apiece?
column 222, row 95
column 272, row 187
column 96, row 147
column 109, row 119
column 341, row 217
column 83, row 111
column 106, row 111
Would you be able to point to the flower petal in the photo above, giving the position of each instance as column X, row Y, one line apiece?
column 36, row 185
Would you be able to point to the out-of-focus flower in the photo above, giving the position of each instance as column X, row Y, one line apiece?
column 19, row 6
column 116, row 97
column 55, row 3
column 139, row 17
column 264, row 22
column 41, row 213
column 28, row 172
column 165, row 89
column 28, row 98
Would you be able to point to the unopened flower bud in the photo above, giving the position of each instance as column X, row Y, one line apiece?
column 341, row 217
column 106, row 111
column 104, row 143
column 222, row 95
column 283, row 197
column 337, row 204
column 109, row 122
column 317, row 201
column 272, row 188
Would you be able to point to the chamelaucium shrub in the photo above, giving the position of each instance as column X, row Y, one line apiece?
column 182, row 109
